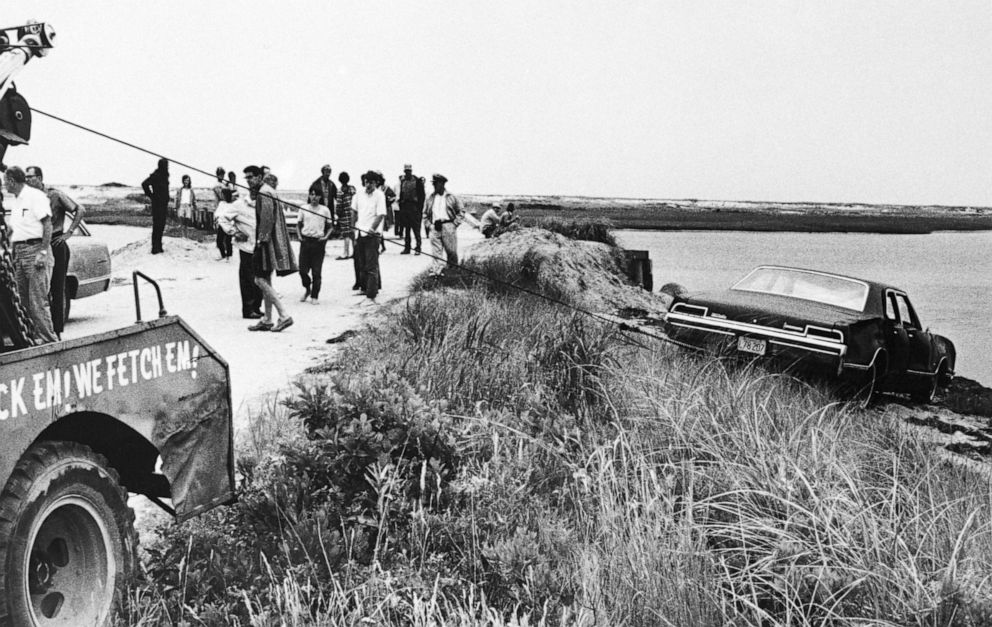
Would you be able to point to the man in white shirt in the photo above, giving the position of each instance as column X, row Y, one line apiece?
column 62, row 205
column 490, row 220
column 369, row 207
column 30, row 229
column 314, row 224
column 237, row 220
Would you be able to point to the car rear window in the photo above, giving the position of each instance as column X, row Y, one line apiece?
column 807, row 285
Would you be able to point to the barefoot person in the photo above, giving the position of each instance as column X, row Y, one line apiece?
column 272, row 250
column 185, row 205
column 61, row 205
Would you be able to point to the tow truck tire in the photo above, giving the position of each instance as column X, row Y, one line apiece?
column 67, row 544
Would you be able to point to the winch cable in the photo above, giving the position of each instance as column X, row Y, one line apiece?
column 622, row 326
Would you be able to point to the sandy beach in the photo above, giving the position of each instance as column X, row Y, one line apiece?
column 204, row 292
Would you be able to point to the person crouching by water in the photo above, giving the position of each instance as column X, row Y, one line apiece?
column 237, row 220
column 30, row 228
column 489, row 221
column 314, row 226
column 272, row 250
column 442, row 214
column 370, row 210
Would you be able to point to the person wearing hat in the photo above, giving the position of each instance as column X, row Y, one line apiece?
column 325, row 187
column 369, row 207
column 411, row 207
column 490, row 221
column 442, row 214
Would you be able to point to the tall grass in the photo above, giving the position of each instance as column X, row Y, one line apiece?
column 503, row 461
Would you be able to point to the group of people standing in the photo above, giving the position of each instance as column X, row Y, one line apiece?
column 35, row 226
column 256, row 224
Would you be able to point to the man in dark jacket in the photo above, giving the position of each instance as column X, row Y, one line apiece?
column 156, row 187
column 325, row 188
column 411, row 205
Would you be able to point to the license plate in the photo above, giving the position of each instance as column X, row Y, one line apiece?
column 751, row 345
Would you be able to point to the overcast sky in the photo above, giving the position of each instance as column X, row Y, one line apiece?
column 833, row 100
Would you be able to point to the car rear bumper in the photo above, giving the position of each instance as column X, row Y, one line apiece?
column 794, row 346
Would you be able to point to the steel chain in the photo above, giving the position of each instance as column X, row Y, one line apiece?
column 8, row 288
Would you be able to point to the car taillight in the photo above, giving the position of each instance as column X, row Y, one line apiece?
column 830, row 334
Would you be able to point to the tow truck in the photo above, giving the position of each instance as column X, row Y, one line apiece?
column 143, row 409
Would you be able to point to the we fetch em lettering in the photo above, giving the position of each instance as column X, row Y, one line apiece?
column 51, row 388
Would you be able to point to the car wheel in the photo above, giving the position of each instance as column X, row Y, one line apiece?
column 926, row 391
column 67, row 542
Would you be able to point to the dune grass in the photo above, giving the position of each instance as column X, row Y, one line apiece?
column 492, row 459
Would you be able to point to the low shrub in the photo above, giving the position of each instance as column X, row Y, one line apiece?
column 588, row 229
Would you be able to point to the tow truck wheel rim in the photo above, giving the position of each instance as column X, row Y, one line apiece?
column 71, row 569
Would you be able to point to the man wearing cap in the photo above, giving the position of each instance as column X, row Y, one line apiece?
column 325, row 187
column 369, row 207
column 442, row 214
column 30, row 228
column 411, row 205
column 61, row 205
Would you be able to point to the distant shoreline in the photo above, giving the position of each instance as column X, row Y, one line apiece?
column 112, row 204
column 774, row 217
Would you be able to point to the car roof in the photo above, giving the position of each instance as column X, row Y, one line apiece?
column 873, row 285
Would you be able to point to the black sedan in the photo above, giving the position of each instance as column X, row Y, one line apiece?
column 859, row 331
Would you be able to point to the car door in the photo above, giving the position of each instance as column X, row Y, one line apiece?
column 896, row 339
column 918, row 356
